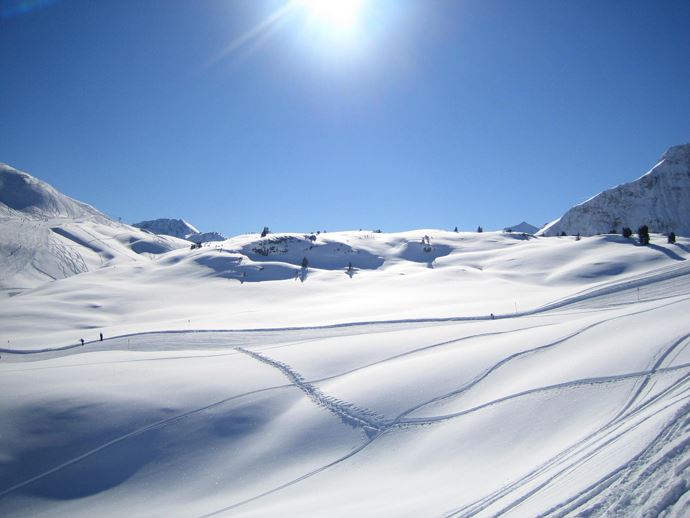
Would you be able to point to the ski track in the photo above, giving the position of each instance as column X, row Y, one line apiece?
column 355, row 416
column 376, row 425
column 673, row 438
column 662, row 274
column 576, row 450
column 486, row 373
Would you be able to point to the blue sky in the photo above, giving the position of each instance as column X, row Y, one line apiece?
column 427, row 113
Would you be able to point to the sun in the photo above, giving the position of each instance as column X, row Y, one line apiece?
column 336, row 15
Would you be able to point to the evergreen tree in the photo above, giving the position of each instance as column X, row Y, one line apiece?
column 627, row 232
column 456, row 229
column 305, row 263
column 672, row 238
column 643, row 234
column 480, row 229
column 265, row 232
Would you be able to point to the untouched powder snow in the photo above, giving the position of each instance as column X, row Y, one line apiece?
column 660, row 199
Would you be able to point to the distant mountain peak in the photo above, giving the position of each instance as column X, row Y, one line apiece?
column 522, row 227
column 178, row 228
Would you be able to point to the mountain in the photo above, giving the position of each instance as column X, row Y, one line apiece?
column 46, row 235
column 22, row 195
column 660, row 199
column 178, row 228
column 523, row 227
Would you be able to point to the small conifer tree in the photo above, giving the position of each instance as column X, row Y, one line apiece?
column 672, row 238
column 643, row 234
column 627, row 232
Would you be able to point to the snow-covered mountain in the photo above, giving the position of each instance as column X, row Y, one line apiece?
column 168, row 227
column 523, row 227
column 660, row 199
column 23, row 196
column 178, row 228
column 46, row 235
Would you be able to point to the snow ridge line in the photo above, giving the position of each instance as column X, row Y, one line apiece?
column 357, row 417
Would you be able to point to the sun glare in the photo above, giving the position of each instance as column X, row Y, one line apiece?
column 337, row 15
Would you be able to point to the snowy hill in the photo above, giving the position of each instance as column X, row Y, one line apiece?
column 659, row 199
column 375, row 381
column 178, row 228
column 522, row 227
column 45, row 235
column 420, row 373
column 23, row 196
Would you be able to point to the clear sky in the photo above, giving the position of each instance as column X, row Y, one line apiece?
column 391, row 114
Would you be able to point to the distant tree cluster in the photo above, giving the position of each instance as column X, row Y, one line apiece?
column 265, row 232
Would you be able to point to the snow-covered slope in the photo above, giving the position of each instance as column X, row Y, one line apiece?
column 659, row 199
column 422, row 373
column 45, row 235
column 178, row 228
column 234, row 382
column 23, row 196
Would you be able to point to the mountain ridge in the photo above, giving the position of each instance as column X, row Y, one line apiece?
column 659, row 199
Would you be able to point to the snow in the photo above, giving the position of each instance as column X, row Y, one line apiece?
column 45, row 235
column 178, row 228
column 660, row 199
column 417, row 373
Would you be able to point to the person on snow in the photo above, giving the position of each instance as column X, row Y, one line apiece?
column 82, row 342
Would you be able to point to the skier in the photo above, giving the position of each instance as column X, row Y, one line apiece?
column 492, row 316
column 82, row 342
column 101, row 337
